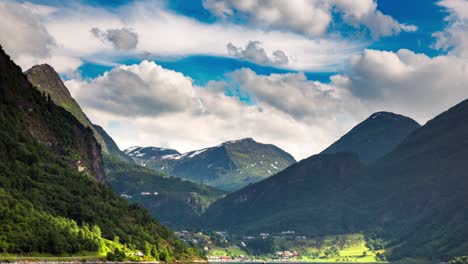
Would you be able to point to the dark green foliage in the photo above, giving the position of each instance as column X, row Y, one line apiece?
column 46, row 204
column 178, row 202
column 258, row 247
column 117, row 255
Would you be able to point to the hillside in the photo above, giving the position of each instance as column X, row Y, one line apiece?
column 47, row 80
column 374, row 137
column 112, row 147
column 297, row 199
column 412, row 201
column 228, row 166
column 51, row 184
column 172, row 201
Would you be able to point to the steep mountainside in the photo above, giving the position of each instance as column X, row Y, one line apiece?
column 297, row 199
column 376, row 136
column 418, row 192
column 174, row 202
column 51, row 173
column 228, row 166
column 413, row 199
column 112, row 147
column 47, row 80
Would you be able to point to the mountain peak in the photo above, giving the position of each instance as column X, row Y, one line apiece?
column 375, row 137
column 46, row 79
column 384, row 115
column 242, row 140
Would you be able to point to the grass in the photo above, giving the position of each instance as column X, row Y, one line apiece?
column 229, row 251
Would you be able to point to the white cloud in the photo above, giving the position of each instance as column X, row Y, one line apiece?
column 454, row 38
column 406, row 82
column 408, row 27
column 66, row 31
column 256, row 53
column 155, row 106
column 309, row 17
column 26, row 39
column 123, row 38
column 146, row 104
column 22, row 33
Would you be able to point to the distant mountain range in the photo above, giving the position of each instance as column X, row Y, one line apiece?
column 413, row 198
column 374, row 137
column 228, row 166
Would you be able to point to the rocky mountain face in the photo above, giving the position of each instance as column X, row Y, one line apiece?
column 228, row 166
column 52, row 196
column 47, row 80
column 374, row 137
column 413, row 199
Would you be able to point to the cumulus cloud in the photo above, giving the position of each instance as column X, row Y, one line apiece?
column 26, row 39
column 406, row 82
column 146, row 89
column 22, row 33
column 155, row 106
column 309, row 17
column 256, row 53
column 123, row 38
column 454, row 38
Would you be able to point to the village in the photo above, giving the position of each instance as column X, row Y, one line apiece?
column 220, row 246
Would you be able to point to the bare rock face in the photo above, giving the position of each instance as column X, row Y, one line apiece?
column 46, row 79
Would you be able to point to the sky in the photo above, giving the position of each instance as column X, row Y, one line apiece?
column 188, row 74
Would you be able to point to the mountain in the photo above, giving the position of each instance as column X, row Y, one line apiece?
column 412, row 200
column 228, row 166
column 47, row 80
column 296, row 198
column 141, row 154
column 174, row 202
column 178, row 202
column 52, row 196
column 112, row 148
column 376, row 136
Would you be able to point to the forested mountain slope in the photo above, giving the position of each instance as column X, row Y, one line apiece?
column 51, row 183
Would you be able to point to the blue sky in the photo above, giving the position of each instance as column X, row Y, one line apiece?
column 425, row 14
column 191, row 74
